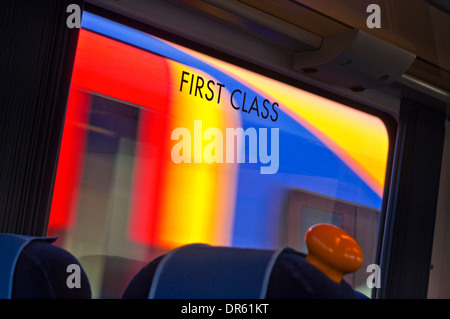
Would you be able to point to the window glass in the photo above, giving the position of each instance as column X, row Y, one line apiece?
column 164, row 146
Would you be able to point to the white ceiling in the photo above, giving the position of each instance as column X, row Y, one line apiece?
column 413, row 25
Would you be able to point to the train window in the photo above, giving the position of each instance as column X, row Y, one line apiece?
column 164, row 146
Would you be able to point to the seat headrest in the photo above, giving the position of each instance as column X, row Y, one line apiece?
column 33, row 268
column 207, row 272
column 202, row 271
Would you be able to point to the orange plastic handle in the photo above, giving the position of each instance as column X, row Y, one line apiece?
column 333, row 251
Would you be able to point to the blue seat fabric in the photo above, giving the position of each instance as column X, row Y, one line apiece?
column 41, row 273
column 292, row 277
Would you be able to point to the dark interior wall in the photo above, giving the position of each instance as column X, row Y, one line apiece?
column 411, row 212
column 37, row 51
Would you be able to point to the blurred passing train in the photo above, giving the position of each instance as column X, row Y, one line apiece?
column 175, row 133
column 126, row 187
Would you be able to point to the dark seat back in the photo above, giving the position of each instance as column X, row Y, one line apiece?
column 206, row 272
column 34, row 268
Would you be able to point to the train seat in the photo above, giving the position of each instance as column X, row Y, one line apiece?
column 34, row 268
column 199, row 271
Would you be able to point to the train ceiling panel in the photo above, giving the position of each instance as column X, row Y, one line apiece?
column 271, row 32
column 413, row 25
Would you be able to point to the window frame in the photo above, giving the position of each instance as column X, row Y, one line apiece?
column 388, row 119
